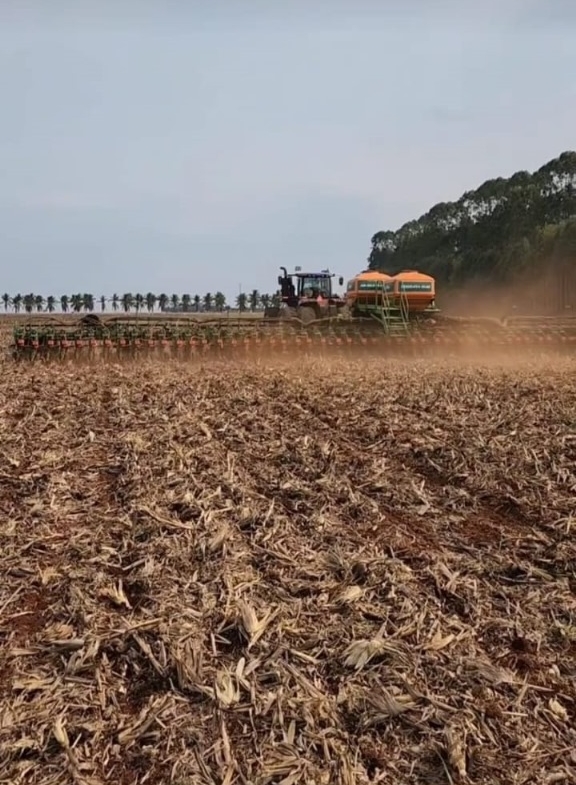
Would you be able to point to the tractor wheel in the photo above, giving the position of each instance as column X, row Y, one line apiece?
column 290, row 313
column 307, row 315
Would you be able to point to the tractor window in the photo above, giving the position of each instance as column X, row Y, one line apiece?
column 312, row 286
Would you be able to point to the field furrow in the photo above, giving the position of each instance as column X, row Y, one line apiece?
column 294, row 573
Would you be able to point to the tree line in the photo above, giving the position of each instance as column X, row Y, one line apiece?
column 506, row 228
column 139, row 303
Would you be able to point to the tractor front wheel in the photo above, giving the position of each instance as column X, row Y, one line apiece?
column 307, row 315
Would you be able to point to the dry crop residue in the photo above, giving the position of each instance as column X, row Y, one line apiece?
column 338, row 574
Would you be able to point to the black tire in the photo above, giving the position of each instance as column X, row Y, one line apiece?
column 307, row 315
column 289, row 314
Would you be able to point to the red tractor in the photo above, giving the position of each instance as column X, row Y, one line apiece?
column 312, row 298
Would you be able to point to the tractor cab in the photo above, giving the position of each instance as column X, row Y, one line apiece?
column 313, row 285
column 309, row 287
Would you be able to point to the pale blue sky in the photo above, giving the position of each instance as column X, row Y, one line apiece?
column 163, row 146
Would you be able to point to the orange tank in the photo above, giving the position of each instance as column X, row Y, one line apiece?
column 418, row 289
column 365, row 288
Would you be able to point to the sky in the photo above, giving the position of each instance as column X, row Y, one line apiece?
column 190, row 147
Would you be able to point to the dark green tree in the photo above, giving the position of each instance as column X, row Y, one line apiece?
column 242, row 302
column 150, row 302
column 492, row 233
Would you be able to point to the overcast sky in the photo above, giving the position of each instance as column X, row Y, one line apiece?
column 190, row 146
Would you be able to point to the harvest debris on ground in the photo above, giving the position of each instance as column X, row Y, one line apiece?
column 314, row 573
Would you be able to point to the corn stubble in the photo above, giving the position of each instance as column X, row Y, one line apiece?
column 306, row 574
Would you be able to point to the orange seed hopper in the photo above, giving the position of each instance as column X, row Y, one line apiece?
column 417, row 288
column 365, row 289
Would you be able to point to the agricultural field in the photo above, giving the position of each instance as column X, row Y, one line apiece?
column 300, row 573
